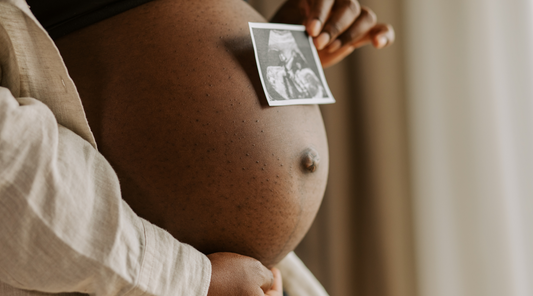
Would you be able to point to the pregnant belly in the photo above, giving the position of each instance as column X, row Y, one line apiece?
column 172, row 94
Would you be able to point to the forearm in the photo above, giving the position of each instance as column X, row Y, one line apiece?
column 63, row 224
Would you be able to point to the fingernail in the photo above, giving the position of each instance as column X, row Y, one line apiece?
column 315, row 26
column 322, row 40
column 382, row 42
column 334, row 46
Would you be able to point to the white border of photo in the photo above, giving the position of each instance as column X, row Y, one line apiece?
column 299, row 101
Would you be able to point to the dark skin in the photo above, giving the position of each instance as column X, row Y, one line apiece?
column 252, row 276
column 182, row 123
column 172, row 94
column 338, row 26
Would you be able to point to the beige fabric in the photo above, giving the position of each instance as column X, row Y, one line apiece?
column 63, row 224
column 297, row 279
column 42, row 72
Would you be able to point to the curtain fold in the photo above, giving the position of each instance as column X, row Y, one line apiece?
column 471, row 121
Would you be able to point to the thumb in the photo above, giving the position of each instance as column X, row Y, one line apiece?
column 268, row 279
column 277, row 287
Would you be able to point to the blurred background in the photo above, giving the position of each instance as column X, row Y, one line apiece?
column 430, row 189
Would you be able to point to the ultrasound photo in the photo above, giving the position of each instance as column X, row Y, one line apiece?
column 288, row 65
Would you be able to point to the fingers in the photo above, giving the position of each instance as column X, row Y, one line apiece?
column 337, row 26
column 234, row 274
column 382, row 35
column 341, row 17
column 360, row 28
column 328, row 59
column 277, row 288
column 268, row 279
column 317, row 15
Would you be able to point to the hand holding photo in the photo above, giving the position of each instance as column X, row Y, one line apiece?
column 288, row 65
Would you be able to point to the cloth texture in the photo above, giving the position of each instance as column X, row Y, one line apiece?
column 63, row 224
column 64, row 228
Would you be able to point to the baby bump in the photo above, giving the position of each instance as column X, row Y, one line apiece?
column 172, row 93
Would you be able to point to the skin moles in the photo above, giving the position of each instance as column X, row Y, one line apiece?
column 172, row 94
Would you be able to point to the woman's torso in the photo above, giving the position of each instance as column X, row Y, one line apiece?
column 172, row 93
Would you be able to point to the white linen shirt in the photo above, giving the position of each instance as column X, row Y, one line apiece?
column 64, row 227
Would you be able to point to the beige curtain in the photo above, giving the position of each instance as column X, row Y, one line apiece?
column 470, row 83
column 361, row 242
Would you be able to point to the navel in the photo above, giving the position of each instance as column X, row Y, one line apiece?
column 310, row 160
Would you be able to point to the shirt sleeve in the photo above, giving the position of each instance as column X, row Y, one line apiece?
column 297, row 279
column 63, row 224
